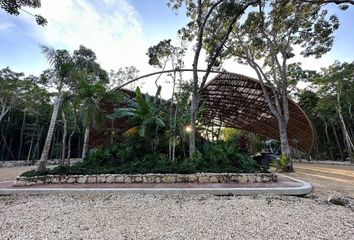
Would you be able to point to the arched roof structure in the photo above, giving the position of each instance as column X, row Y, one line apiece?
column 237, row 101
column 230, row 100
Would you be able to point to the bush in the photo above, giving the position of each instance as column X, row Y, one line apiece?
column 213, row 157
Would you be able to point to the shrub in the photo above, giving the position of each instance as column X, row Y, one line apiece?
column 132, row 159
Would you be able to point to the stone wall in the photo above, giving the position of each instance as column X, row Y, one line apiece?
column 148, row 178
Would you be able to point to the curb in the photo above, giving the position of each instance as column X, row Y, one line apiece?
column 296, row 191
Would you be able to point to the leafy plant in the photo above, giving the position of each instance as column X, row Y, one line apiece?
column 144, row 115
column 281, row 163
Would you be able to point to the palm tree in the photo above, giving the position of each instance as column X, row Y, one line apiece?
column 144, row 115
column 90, row 95
column 62, row 65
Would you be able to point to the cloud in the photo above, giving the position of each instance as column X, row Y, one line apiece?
column 111, row 28
column 5, row 26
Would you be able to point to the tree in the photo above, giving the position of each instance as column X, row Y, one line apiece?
column 145, row 116
column 13, row 7
column 159, row 56
column 336, row 84
column 266, row 40
column 91, row 87
column 123, row 75
column 10, row 91
column 207, row 17
column 62, row 67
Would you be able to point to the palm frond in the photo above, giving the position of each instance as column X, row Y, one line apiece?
column 49, row 53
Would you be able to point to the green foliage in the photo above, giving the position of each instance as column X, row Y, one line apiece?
column 145, row 116
column 129, row 158
column 13, row 7
column 158, row 53
column 281, row 163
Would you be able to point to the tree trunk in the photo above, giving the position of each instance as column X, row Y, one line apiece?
column 284, row 145
column 32, row 140
column 338, row 142
column 29, row 151
column 328, row 140
column 45, row 152
column 86, row 141
column 36, row 149
column 69, row 141
column 65, row 132
column 69, row 148
column 194, row 108
column 172, row 137
column 8, row 147
column 348, row 142
column 21, row 135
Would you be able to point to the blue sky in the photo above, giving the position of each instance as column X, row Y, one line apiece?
column 119, row 31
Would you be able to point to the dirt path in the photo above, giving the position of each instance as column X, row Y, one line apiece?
column 327, row 179
column 9, row 174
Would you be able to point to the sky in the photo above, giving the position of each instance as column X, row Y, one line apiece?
column 120, row 32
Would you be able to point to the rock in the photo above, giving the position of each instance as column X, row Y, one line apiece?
column 110, row 179
column 151, row 179
column 193, row 178
column 181, row 179
column 63, row 179
column 235, row 178
column 138, row 179
column 128, row 179
column 19, row 183
column 72, row 180
column 101, row 179
column 30, row 183
column 258, row 179
column 55, row 179
column 157, row 179
column 82, row 179
column 204, row 179
column 213, row 179
column 339, row 200
column 92, row 179
column 168, row 179
column 119, row 179
column 39, row 181
column 251, row 178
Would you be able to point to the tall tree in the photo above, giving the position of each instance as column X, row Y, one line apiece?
column 208, row 17
column 91, row 87
column 10, row 91
column 159, row 56
column 62, row 66
column 336, row 84
column 266, row 40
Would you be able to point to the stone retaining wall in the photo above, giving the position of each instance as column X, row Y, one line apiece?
column 148, row 178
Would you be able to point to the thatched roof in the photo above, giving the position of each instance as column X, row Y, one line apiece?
column 237, row 101
column 230, row 100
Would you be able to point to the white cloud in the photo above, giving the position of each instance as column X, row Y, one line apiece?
column 111, row 29
column 5, row 25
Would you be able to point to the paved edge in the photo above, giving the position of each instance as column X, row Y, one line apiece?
column 301, row 190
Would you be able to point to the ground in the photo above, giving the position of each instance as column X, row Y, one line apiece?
column 134, row 216
column 327, row 179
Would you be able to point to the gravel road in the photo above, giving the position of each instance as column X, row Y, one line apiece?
column 134, row 216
